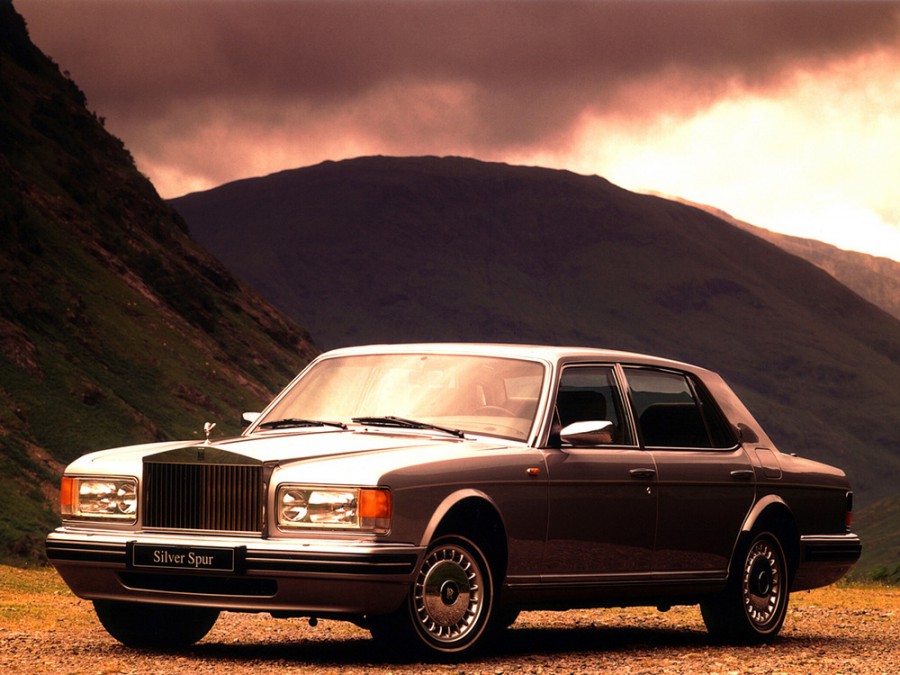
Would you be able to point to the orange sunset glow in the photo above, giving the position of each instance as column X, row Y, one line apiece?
column 784, row 114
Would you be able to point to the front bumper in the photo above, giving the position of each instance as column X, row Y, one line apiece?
column 297, row 576
column 824, row 559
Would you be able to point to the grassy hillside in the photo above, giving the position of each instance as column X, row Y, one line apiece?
column 115, row 326
column 879, row 527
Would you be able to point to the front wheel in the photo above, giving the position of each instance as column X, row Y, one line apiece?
column 450, row 602
column 150, row 626
column 753, row 607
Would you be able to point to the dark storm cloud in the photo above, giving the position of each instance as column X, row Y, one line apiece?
column 529, row 66
column 208, row 91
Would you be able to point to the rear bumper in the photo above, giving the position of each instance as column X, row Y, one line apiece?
column 824, row 559
column 310, row 577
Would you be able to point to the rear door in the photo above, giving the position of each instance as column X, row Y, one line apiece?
column 705, row 480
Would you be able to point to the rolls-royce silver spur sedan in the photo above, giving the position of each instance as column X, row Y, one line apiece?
column 430, row 492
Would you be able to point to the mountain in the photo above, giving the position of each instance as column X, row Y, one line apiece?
column 875, row 278
column 115, row 326
column 404, row 249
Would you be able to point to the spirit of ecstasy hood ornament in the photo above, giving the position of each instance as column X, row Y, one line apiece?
column 201, row 449
column 207, row 429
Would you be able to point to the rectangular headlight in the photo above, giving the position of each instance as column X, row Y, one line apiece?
column 99, row 498
column 308, row 506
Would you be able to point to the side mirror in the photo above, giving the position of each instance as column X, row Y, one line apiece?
column 592, row 432
column 248, row 418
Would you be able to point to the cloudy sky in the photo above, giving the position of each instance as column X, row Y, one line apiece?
column 785, row 114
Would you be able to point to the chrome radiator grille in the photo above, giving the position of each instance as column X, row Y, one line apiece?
column 206, row 497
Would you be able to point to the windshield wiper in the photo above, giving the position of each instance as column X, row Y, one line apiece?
column 296, row 422
column 392, row 421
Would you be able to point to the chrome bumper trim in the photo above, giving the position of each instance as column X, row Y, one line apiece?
column 281, row 558
column 841, row 548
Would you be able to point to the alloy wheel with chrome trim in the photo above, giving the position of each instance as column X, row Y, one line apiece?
column 451, row 599
column 762, row 590
column 753, row 607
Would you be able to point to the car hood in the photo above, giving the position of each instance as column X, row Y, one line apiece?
column 284, row 447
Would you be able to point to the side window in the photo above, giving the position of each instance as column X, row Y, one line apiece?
column 592, row 393
column 669, row 414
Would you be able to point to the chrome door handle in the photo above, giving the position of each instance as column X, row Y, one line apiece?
column 742, row 474
column 642, row 473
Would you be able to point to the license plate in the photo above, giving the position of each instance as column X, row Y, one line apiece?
column 183, row 557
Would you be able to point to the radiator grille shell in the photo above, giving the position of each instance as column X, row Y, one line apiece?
column 204, row 489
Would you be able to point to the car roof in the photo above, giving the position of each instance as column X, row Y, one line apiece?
column 548, row 353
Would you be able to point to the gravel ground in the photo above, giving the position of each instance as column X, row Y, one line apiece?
column 44, row 629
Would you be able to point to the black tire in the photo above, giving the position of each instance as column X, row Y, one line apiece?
column 753, row 607
column 146, row 626
column 450, row 603
column 504, row 618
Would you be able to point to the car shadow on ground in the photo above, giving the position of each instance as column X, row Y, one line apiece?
column 535, row 644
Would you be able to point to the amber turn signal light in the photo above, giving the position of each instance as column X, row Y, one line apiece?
column 66, row 495
column 375, row 503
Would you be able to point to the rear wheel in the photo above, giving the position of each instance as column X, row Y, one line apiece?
column 150, row 626
column 753, row 607
column 450, row 602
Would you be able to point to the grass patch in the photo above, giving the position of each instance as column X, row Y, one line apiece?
column 37, row 599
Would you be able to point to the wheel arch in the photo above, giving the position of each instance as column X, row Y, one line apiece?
column 772, row 513
column 473, row 514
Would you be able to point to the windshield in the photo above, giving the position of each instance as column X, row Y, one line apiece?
column 475, row 394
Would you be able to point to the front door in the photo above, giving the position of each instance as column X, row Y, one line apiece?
column 602, row 501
